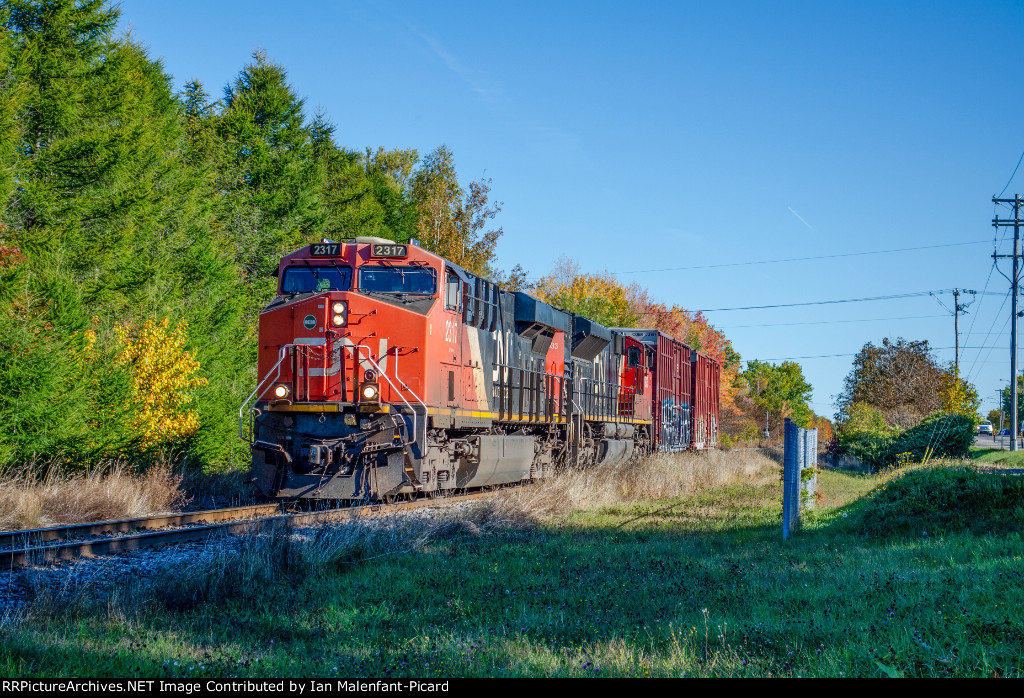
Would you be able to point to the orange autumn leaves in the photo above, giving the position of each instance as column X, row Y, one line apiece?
column 692, row 329
column 602, row 298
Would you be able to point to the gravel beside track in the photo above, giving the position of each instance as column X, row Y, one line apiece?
column 89, row 563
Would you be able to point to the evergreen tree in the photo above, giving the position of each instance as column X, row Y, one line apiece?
column 362, row 195
column 111, row 228
column 273, row 183
column 388, row 173
column 10, row 97
column 140, row 229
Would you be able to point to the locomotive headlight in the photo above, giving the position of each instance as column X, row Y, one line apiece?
column 281, row 391
column 340, row 313
column 370, row 392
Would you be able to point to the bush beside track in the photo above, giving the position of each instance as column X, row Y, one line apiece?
column 939, row 500
column 941, row 435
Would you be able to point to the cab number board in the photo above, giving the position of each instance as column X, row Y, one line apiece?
column 327, row 249
column 389, row 250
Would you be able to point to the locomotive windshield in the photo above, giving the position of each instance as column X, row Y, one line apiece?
column 419, row 281
column 315, row 279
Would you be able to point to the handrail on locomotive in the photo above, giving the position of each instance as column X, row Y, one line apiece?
column 246, row 435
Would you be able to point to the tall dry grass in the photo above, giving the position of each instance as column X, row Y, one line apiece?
column 61, row 496
column 661, row 476
column 252, row 566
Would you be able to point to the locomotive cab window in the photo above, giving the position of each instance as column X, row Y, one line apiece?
column 315, row 279
column 452, row 294
column 415, row 281
column 633, row 357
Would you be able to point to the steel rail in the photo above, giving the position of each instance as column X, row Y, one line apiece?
column 10, row 539
column 26, row 550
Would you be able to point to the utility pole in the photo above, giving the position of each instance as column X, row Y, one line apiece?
column 958, row 308
column 1014, row 287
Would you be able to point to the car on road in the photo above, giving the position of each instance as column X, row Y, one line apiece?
column 985, row 428
column 1004, row 432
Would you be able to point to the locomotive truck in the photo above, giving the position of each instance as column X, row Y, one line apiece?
column 386, row 370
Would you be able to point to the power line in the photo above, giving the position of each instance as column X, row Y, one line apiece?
column 828, row 322
column 790, row 259
column 995, row 319
column 984, row 291
column 803, row 259
column 1011, row 176
column 893, row 296
column 793, row 358
column 830, row 356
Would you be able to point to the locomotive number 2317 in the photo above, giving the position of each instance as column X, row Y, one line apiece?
column 389, row 250
column 327, row 249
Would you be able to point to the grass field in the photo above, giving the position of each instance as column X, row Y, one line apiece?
column 1000, row 457
column 919, row 574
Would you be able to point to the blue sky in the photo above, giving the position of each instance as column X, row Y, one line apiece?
column 665, row 135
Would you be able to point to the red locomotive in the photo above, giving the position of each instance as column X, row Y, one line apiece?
column 387, row 370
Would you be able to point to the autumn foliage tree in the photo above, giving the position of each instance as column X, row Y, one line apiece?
column 898, row 378
column 959, row 396
column 163, row 380
column 596, row 296
column 603, row 298
column 451, row 221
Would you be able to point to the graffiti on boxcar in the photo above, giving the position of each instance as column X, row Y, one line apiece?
column 701, row 436
column 675, row 425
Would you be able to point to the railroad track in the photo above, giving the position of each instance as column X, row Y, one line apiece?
column 59, row 543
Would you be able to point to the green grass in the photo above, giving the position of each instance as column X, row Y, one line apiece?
column 697, row 586
column 995, row 456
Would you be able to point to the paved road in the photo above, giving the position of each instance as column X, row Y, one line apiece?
column 1003, row 442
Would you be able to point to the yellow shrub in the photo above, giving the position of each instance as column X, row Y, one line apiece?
column 163, row 377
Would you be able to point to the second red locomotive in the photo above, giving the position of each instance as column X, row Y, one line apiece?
column 386, row 370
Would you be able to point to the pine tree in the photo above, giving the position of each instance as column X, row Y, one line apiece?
column 10, row 98
column 273, row 184
column 363, row 194
column 110, row 226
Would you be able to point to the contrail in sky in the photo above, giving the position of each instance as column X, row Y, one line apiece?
column 801, row 219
